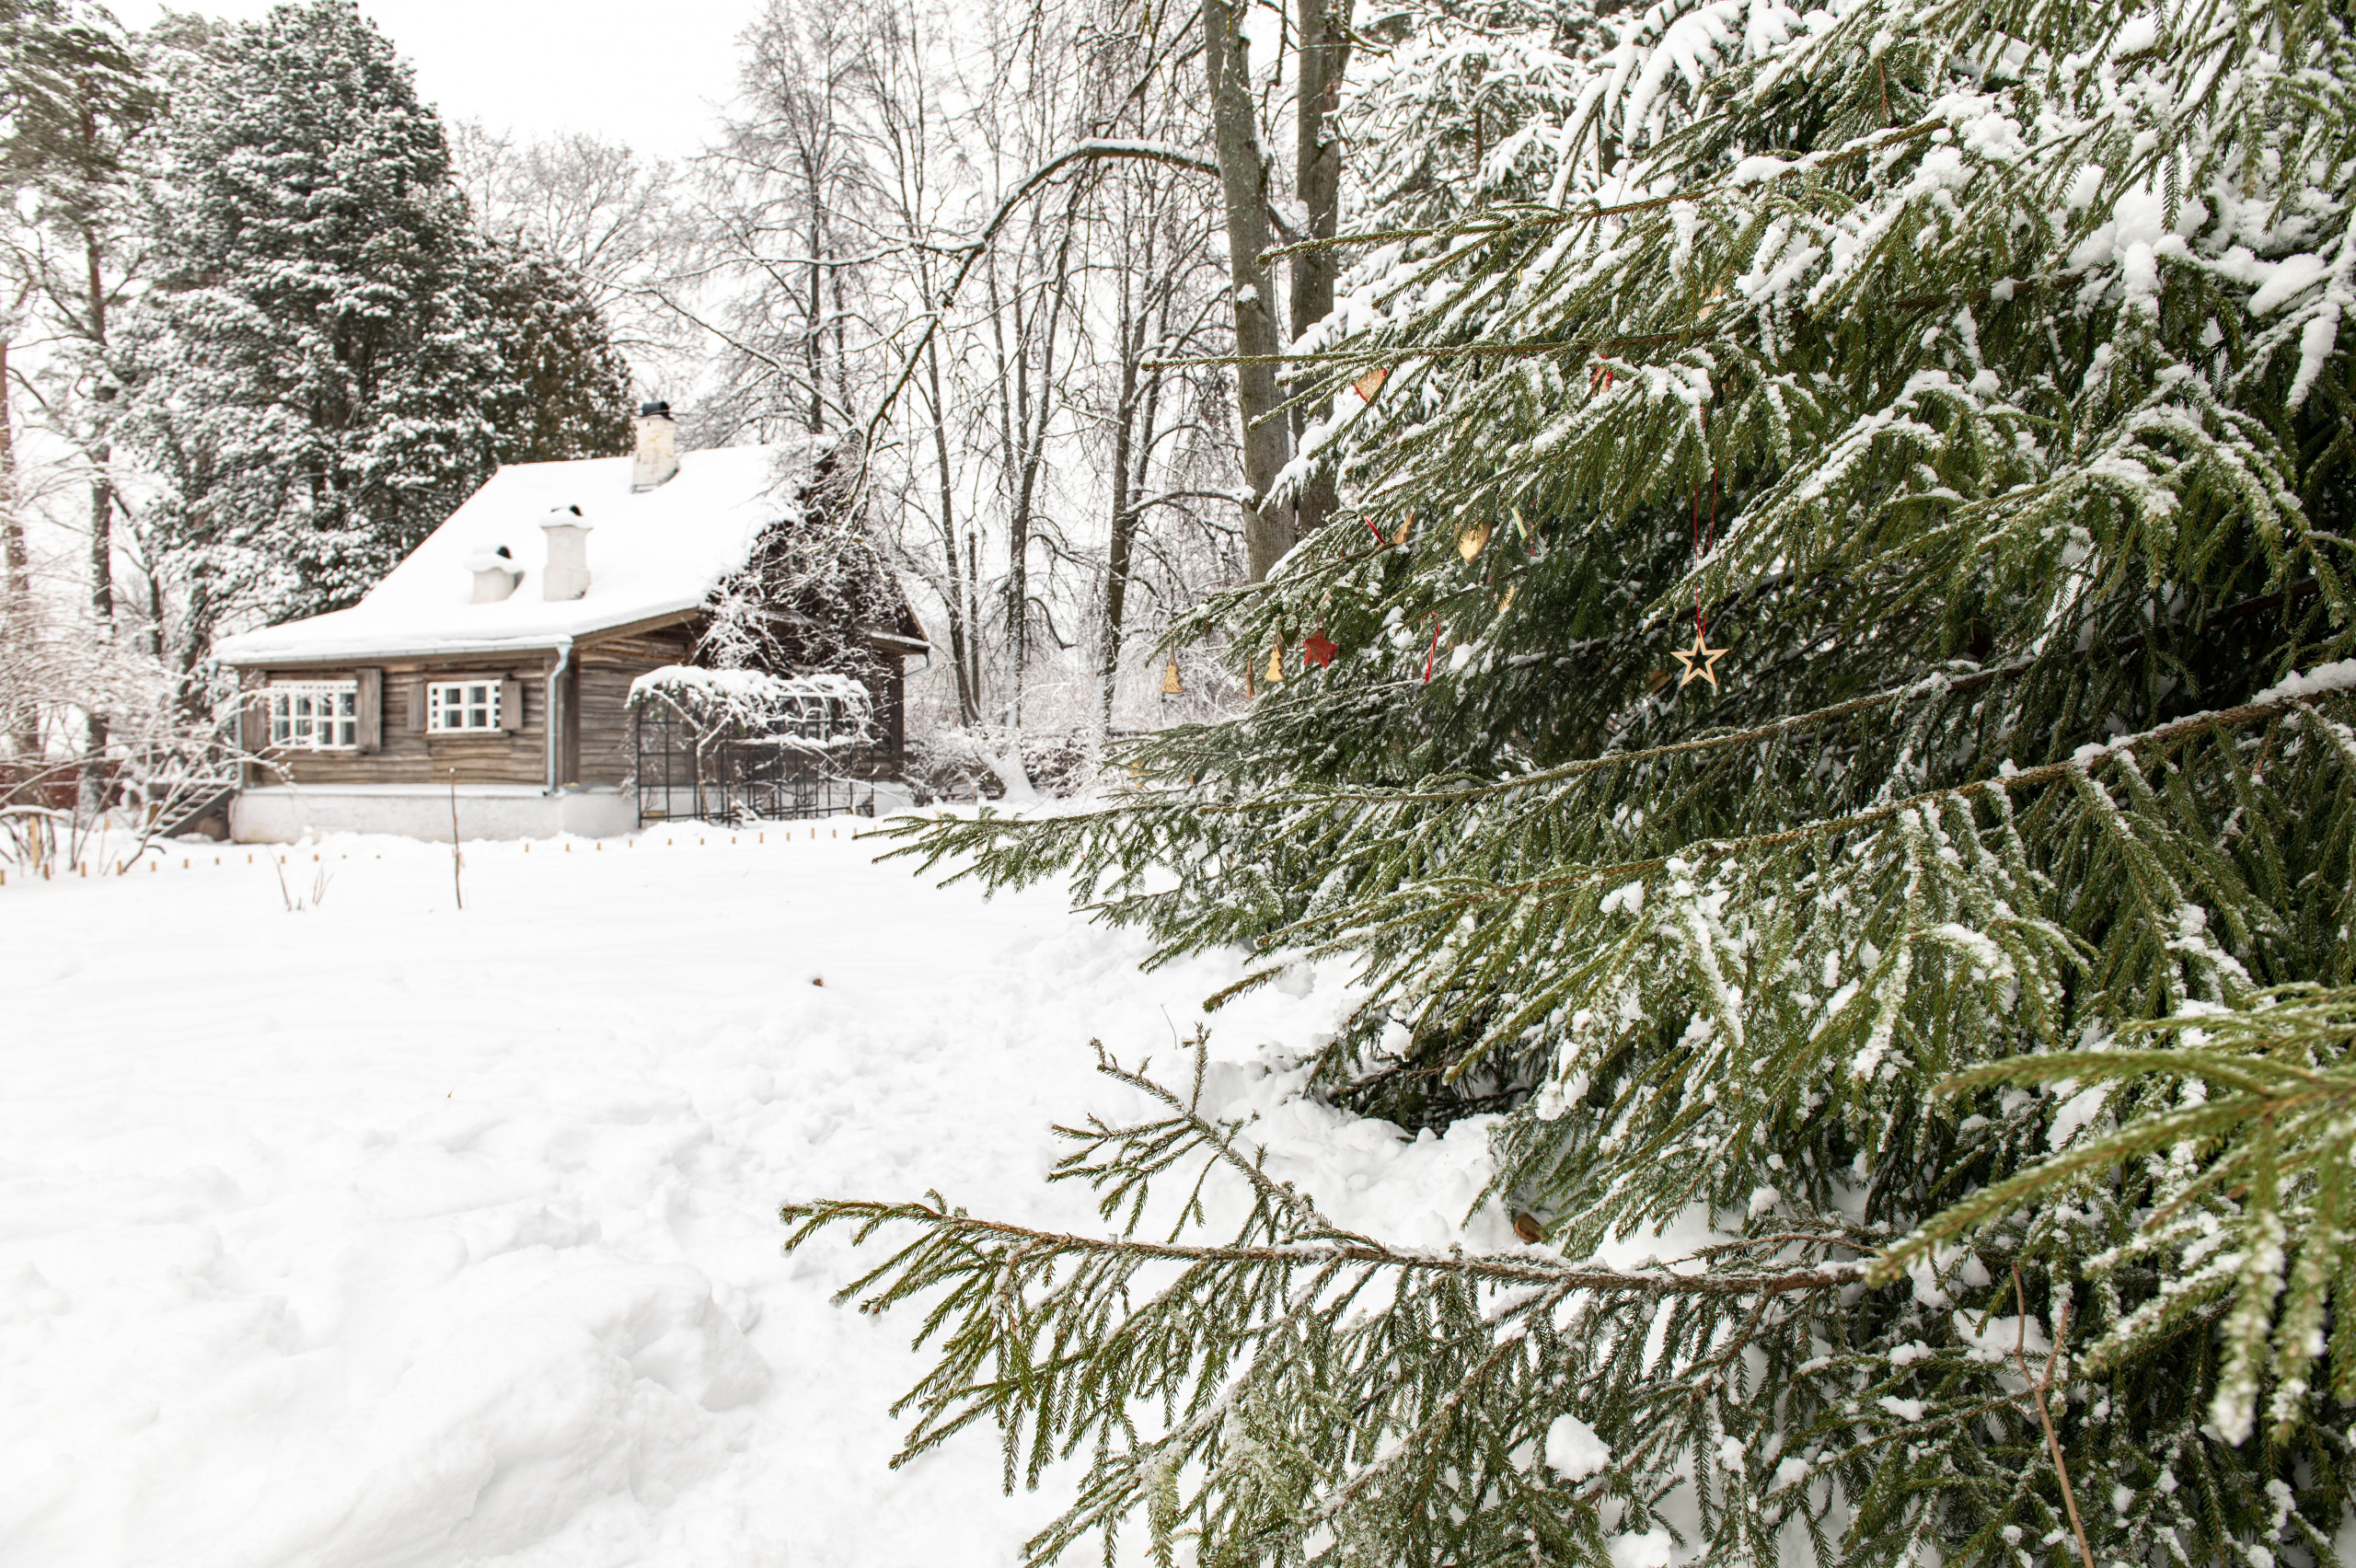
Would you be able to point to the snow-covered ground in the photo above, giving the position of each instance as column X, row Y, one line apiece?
column 383, row 1233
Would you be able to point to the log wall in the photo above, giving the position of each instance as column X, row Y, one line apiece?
column 407, row 755
column 596, row 737
column 607, row 740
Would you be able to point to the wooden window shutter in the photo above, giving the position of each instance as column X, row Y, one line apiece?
column 369, row 709
column 413, row 693
column 253, row 719
column 511, row 706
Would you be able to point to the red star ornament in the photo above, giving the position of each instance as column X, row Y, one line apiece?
column 1317, row 651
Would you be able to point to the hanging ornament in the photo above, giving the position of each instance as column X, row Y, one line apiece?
column 1368, row 385
column 1375, row 531
column 1505, row 600
column 1276, row 676
column 1317, row 651
column 1472, row 540
column 1170, row 684
column 1701, row 659
column 1433, row 657
column 1698, row 661
column 1404, row 529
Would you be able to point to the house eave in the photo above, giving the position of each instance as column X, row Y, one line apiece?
column 374, row 652
column 536, row 642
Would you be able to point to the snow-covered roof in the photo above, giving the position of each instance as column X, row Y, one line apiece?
column 656, row 553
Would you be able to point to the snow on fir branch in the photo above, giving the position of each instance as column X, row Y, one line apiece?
column 1976, row 380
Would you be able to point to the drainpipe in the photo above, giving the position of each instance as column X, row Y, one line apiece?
column 563, row 658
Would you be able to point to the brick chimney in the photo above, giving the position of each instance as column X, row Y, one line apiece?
column 658, row 453
column 568, row 573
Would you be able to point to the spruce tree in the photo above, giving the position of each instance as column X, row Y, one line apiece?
column 332, row 357
column 570, row 388
column 1970, row 948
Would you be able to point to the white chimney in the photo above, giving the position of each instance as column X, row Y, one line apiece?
column 495, row 574
column 658, row 453
column 567, row 576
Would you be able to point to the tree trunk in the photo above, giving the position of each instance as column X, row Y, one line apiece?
column 842, row 356
column 94, row 739
column 1116, row 555
column 1243, row 186
column 816, row 334
column 1030, row 451
column 1014, row 406
column 24, row 721
column 1324, row 55
column 969, row 701
column 95, row 787
column 973, row 591
column 1133, row 438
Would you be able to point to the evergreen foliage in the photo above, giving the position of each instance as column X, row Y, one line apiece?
column 570, row 386
column 72, row 93
column 331, row 358
column 1974, row 371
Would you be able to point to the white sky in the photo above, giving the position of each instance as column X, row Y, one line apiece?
column 651, row 74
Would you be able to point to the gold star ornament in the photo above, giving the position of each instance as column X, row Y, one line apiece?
column 1699, row 661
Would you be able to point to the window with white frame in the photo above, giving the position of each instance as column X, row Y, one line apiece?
column 315, row 715
column 462, row 708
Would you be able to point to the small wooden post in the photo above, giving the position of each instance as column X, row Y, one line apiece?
column 456, row 887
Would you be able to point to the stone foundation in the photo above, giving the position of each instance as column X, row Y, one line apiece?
column 281, row 815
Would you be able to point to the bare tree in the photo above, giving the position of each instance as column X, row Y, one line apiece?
column 988, row 235
column 786, row 189
column 1157, row 232
column 601, row 211
column 912, row 148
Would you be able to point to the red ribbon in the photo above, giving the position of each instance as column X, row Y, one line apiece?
column 1700, row 549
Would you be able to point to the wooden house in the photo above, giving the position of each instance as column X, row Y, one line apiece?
column 498, row 657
